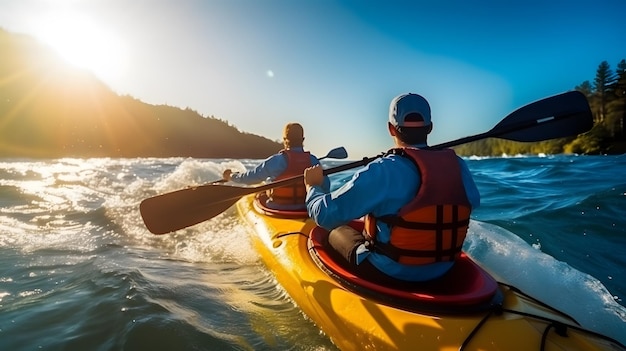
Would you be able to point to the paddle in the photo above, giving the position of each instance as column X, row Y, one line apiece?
column 180, row 209
column 553, row 117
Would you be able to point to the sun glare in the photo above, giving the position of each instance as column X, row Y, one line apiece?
column 81, row 42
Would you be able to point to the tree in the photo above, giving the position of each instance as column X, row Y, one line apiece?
column 620, row 82
column 603, row 85
column 620, row 99
column 585, row 88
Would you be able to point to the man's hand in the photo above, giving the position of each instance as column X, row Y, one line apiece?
column 227, row 174
column 313, row 176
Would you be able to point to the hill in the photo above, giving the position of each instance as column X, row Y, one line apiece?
column 49, row 109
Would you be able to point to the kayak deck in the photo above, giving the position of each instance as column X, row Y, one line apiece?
column 356, row 317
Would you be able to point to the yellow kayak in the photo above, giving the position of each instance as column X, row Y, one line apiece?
column 465, row 310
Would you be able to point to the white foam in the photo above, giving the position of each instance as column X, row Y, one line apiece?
column 193, row 172
column 511, row 260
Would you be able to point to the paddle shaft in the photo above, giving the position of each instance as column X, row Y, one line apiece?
column 553, row 117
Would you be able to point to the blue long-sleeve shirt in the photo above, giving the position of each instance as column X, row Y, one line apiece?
column 381, row 188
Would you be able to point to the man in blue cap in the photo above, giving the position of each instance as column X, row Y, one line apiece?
column 416, row 202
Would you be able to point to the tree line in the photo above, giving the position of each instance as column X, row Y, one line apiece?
column 607, row 99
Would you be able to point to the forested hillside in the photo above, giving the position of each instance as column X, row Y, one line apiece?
column 50, row 109
column 607, row 99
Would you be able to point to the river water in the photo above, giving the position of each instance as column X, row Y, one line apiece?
column 79, row 271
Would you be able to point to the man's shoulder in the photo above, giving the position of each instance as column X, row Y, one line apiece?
column 392, row 160
column 390, row 164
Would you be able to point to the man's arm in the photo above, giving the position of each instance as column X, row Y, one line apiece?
column 270, row 168
column 361, row 195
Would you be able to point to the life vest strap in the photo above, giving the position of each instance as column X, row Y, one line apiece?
column 401, row 222
column 439, row 253
column 395, row 253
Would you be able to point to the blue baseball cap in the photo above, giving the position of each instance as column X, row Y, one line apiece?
column 403, row 105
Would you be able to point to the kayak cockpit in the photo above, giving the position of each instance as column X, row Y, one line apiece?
column 466, row 288
column 260, row 204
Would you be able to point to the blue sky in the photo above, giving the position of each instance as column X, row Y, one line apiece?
column 333, row 66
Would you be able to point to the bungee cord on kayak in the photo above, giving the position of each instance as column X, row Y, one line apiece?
column 290, row 233
column 559, row 326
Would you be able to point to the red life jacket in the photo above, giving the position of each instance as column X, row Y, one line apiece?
column 431, row 227
column 297, row 162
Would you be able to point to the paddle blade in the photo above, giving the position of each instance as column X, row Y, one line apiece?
column 338, row 153
column 557, row 116
column 183, row 208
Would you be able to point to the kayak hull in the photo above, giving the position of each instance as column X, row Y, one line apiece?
column 355, row 321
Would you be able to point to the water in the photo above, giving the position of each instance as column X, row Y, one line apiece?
column 79, row 271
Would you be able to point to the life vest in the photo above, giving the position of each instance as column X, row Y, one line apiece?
column 431, row 227
column 295, row 193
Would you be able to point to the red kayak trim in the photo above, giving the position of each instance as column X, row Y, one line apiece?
column 260, row 204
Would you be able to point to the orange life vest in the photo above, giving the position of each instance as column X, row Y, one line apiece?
column 431, row 227
column 295, row 193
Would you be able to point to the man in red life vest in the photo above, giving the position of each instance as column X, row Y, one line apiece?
column 416, row 202
column 290, row 161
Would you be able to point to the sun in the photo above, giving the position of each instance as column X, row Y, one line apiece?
column 83, row 43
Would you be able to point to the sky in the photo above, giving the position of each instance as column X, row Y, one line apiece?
column 332, row 65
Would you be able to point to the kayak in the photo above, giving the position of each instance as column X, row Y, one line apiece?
column 464, row 310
